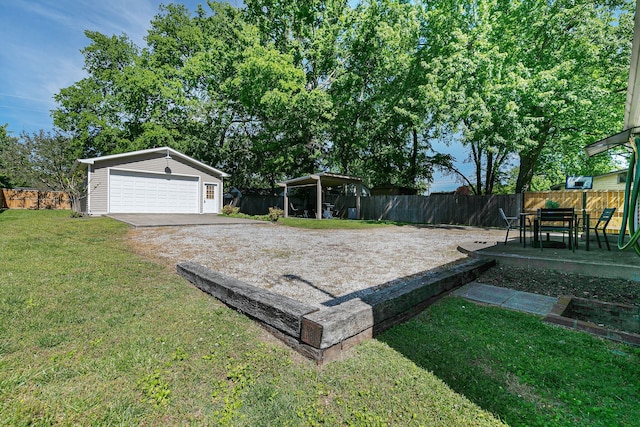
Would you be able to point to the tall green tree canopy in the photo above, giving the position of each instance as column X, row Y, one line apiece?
column 539, row 80
column 283, row 88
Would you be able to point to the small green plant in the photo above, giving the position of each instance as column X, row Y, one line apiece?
column 550, row 204
column 275, row 213
column 230, row 210
column 155, row 389
column 179, row 355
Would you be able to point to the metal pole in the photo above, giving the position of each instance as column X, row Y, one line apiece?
column 286, row 201
column 319, row 199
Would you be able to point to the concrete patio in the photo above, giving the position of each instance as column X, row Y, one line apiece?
column 139, row 220
column 597, row 262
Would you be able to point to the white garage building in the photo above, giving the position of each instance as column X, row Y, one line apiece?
column 157, row 180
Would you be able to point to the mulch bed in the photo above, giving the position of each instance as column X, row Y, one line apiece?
column 555, row 284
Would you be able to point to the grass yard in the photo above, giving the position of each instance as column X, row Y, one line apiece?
column 324, row 224
column 92, row 334
column 529, row 372
column 334, row 224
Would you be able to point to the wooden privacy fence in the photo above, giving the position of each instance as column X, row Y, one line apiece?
column 258, row 205
column 593, row 201
column 34, row 199
column 480, row 211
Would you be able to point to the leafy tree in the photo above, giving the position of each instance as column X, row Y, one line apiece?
column 7, row 145
column 16, row 169
column 301, row 38
column 44, row 161
column 385, row 101
column 282, row 88
column 586, row 51
column 536, row 77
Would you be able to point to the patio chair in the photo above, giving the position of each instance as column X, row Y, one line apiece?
column 558, row 220
column 509, row 221
column 293, row 209
column 601, row 225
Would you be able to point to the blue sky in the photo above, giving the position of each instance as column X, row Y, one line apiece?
column 40, row 43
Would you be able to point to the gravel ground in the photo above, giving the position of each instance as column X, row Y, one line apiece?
column 315, row 266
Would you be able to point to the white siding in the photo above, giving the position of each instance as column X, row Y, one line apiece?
column 98, row 185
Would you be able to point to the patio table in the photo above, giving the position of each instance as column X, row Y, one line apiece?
column 524, row 217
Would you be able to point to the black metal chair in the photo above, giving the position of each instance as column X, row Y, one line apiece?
column 601, row 225
column 558, row 220
column 510, row 222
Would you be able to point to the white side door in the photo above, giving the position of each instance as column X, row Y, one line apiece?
column 211, row 197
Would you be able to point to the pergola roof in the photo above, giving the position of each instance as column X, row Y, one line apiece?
column 327, row 179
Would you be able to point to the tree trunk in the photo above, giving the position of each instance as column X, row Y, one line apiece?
column 489, row 176
column 413, row 167
column 477, row 160
column 528, row 161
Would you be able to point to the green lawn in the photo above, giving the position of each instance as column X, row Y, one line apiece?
column 334, row 224
column 92, row 334
column 529, row 372
column 323, row 224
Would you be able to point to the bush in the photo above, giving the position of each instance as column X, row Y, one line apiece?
column 275, row 213
column 230, row 210
column 550, row 204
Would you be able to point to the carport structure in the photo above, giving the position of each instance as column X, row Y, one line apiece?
column 320, row 181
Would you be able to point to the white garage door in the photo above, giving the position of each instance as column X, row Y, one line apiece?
column 136, row 192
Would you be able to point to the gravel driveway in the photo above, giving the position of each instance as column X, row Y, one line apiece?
column 314, row 266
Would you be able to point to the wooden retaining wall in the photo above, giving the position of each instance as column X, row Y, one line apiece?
column 322, row 334
column 34, row 199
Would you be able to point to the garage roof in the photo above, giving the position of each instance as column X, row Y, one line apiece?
column 82, row 163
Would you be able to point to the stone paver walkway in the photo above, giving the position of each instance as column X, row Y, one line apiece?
column 507, row 298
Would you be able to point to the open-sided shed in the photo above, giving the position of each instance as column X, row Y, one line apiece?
column 320, row 181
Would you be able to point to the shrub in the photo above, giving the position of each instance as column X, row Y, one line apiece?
column 230, row 210
column 550, row 204
column 275, row 213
